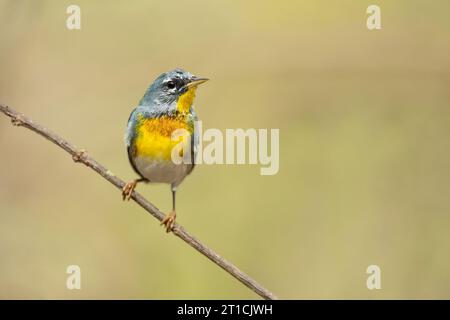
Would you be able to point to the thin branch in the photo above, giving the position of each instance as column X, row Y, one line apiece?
column 80, row 156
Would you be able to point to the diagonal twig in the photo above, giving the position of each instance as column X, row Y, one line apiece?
column 80, row 156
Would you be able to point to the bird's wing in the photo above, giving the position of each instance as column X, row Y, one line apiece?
column 129, row 140
column 194, row 142
column 193, row 154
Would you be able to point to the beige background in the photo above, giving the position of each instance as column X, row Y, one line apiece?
column 364, row 125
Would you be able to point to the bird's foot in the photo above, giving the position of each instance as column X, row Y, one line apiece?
column 128, row 189
column 169, row 221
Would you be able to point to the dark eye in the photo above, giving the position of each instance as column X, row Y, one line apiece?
column 170, row 85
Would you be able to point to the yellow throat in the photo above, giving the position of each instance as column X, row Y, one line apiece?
column 185, row 101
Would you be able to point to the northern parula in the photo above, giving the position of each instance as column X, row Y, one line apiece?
column 167, row 105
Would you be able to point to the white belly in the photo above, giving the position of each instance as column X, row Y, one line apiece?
column 161, row 171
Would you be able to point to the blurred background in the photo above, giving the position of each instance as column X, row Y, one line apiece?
column 364, row 123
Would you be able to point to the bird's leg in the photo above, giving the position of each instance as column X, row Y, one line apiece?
column 128, row 188
column 169, row 219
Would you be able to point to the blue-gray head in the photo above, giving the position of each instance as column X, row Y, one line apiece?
column 174, row 90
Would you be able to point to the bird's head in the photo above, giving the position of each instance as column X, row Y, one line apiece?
column 172, row 91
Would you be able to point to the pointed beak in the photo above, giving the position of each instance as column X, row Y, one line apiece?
column 195, row 82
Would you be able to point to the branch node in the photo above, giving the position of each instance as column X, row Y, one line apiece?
column 80, row 156
column 17, row 121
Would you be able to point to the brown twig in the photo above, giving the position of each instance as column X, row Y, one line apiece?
column 81, row 156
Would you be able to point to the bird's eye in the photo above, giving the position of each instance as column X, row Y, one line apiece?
column 170, row 85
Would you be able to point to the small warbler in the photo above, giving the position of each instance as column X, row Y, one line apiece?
column 167, row 105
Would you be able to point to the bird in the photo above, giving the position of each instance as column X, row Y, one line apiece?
column 166, row 106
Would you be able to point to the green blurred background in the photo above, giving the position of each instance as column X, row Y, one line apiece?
column 364, row 123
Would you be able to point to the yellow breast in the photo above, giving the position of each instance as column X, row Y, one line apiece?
column 154, row 136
